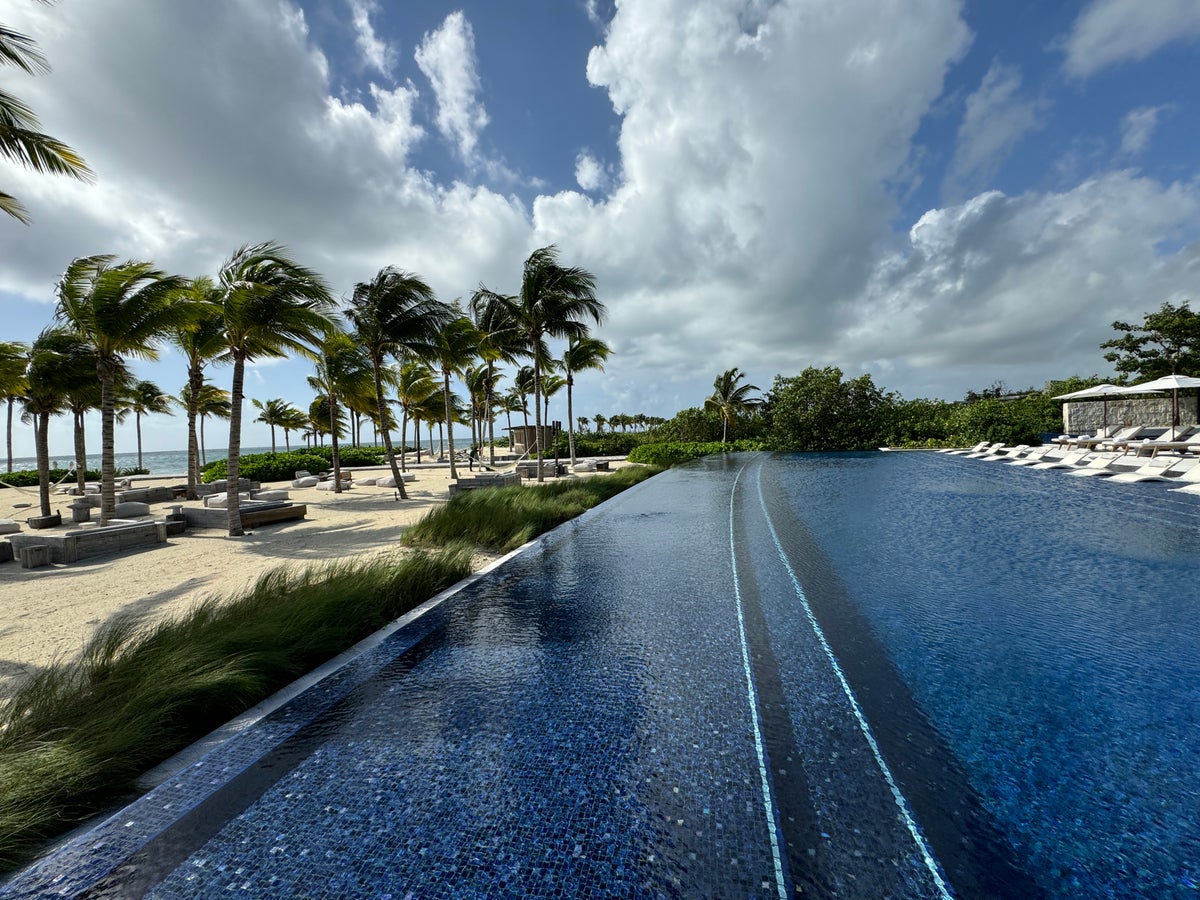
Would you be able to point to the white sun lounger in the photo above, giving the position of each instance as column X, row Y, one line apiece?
column 1168, row 469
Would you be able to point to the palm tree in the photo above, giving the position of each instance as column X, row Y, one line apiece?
column 202, row 341
column 20, row 140
column 269, row 305
column 729, row 398
column 500, row 341
column 583, row 421
column 551, row 385
column 275, row 411
column 291, row 420
column 581, row 353
column 121, row 310
column 600, row 421
column 522, row 388
column 210, row 400
column 553, row 303
column 147, row 397
column 58, row 361
column 14, row 359
column 394, row 314
column 343, row 372
column 454, row 350
column 414, row 386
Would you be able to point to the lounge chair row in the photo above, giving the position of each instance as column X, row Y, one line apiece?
column 1121, row 458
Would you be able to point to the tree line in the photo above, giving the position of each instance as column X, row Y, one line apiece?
column 392, row 338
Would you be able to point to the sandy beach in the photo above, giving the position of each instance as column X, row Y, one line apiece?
column 50, row 612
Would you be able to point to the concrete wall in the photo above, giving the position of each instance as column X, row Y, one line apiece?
column 1085, row 416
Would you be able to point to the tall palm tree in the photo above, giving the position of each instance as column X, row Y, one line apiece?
column 343, row 373
column 454, row 350
column 202, row 341
column 122, row 310
column 82, row 395
column 414, row 386
column 58, row 361
column 145, row 398
column 271, row 413
column 210, row 400
column 729, row 398
column 600, row 421
column 554, row 302
column 20, row 140
column 14, row 359
column 394, row 314
column 581, row 353
column 270, row 305
column 291, row 420
column 499, row 341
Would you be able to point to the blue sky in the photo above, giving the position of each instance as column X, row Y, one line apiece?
column 943, row 194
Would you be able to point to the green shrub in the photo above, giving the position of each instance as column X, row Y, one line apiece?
column 268, row 466
column 675, row 452
column 503, row 519
column 74, row 736
column 29, row 477
column 606, row 443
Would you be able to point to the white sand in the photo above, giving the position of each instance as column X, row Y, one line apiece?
column 50, row 612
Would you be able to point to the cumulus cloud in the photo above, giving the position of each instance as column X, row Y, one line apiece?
column 377, row 54
column 1023, row 281
column 1138, row 127
column 1109, row 32
column 997, row 117
column 590, row 173
column 447, row 57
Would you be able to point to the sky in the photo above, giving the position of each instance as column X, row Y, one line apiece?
column 941, row 194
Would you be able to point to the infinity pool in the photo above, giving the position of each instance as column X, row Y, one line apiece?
column 905, row 675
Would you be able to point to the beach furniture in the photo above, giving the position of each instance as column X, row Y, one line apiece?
column 1037, row 454
column 1191, row 481
column 1165, row 469
column 989, row 449
column 1069, row 461
column 982, row 445
column 1101, row 465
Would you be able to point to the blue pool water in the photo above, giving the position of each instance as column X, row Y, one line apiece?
column 905, row 675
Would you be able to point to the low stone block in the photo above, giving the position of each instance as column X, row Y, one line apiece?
column 35, row 556
column 6, row 551
column 8, row 526
column 131, row 510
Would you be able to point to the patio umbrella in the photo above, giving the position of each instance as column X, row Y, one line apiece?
column 1104, row 391
column 1173, row 383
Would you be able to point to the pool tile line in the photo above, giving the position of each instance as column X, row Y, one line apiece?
column 902, row 804
column 769, row 806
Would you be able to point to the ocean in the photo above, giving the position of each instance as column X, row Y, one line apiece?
column 158, row 462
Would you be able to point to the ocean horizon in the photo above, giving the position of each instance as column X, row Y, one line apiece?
column 162, row 462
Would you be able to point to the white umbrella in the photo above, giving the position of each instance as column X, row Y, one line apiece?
column 1173, row 383
column 1104, row 391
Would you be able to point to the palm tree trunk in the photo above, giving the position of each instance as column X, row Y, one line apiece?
column 80, row 454
column 203, row 452
column 137, row 419
column 387, row 438
column 537, row 413
column 570, row 419
column 404, row 437
column 449, row 422
column 287, row 439
column 108, row 468
column 195, row 384
column 429, row 424
column 42, row 441
column 233, row 501
column 272, row 440
column 9, row 431
column 333, row 444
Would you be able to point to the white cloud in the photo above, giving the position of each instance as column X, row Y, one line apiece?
column 1138, row 127
column 590, row 173
column 997, row 117
column 447, row 57
column 1032, row 281
column 378, row 54
column 1109, row 32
